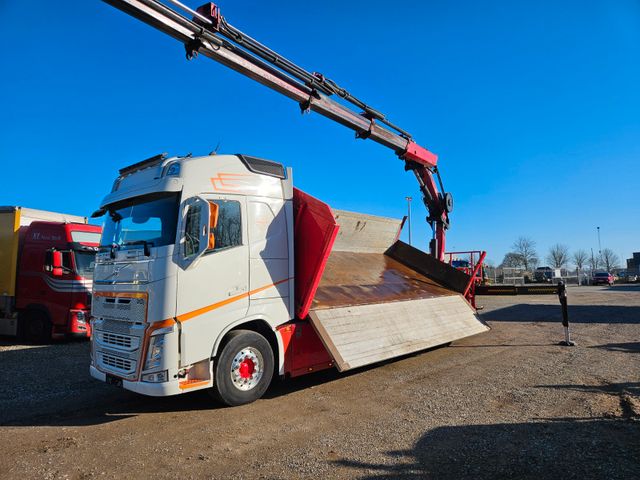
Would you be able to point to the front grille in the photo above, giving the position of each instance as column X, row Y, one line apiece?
column 122, row 309
column 118, row 363
column 117, row 326
column 118, row 335
column 117, row 340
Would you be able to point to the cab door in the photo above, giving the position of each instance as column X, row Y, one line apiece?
column 213, row 278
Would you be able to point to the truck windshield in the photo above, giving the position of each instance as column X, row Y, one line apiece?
column 85, row 263
column 146, row 220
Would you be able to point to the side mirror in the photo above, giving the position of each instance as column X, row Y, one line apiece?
column 197, row 219
column 56, row 263
column 213, row 223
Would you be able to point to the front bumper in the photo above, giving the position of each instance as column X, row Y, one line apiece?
column 172, row 387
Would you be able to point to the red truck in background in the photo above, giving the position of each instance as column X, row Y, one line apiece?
column 46, row 274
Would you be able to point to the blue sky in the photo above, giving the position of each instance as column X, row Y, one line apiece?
column 532, row 107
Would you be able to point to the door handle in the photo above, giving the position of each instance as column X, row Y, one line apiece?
column 235, row 291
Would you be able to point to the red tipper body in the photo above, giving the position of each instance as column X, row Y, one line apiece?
column 315, row 231
column 64, row 300
column 304, row 352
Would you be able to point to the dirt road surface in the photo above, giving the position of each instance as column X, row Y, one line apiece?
column 510, row 403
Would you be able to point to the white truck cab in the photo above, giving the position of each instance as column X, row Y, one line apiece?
column 192, row 248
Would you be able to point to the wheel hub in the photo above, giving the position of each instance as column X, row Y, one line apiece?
column 247, row 368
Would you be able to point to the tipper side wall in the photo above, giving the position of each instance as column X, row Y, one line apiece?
column 369, row 296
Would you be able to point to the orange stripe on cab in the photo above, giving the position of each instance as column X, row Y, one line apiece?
column 189, row 315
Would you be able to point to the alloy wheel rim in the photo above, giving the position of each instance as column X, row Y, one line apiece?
column 247, row 369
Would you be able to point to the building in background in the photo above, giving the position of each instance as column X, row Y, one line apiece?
column 633, row 263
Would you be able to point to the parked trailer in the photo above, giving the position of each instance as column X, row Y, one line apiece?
column 216, row 273
column 46, row 268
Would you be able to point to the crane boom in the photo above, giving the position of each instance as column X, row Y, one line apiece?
column 208, row 33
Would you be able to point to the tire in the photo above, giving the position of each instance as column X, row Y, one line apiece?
column 36, row 327
column 243, row 369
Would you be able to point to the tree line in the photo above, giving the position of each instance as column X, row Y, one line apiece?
column 523, row 254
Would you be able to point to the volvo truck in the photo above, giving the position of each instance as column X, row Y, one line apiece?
column 46, row 273
column 215, row 273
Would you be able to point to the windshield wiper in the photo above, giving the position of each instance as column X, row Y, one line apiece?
column 144, row 243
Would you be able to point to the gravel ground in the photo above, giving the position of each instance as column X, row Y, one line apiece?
column 510, row 403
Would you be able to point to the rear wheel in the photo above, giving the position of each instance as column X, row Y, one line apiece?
column 36, row 327
column 244, row 368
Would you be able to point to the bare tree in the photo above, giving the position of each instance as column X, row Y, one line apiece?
column 526, row 249
column 594, row 262
column 580, row 258
column 511, row 260
column 609, row 259
column 558, row 255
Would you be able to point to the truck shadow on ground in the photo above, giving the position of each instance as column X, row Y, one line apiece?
column 50, row 386
column 611, row 314
column 600, row 447
column 101, row 404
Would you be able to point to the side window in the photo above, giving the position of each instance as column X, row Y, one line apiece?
column 228, row 231
column 191, row 231
column 66, row 261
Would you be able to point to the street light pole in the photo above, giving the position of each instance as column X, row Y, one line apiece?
column 409, row 216
column 599, row 245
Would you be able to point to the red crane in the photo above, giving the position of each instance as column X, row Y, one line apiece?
column 208, row 33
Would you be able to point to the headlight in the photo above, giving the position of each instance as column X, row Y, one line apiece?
column 154, row 354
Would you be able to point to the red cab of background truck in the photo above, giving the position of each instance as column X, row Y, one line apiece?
column 46, row 263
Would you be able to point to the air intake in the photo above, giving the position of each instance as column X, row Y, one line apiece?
column 263, row 167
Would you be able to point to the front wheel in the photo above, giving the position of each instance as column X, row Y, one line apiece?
column 244, row 368
column 36, row 327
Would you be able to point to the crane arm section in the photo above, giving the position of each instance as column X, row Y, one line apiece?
column 209, row 34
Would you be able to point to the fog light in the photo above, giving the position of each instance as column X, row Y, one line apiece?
column 157, row 377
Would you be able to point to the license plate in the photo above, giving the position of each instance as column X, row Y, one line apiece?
column 111, row 380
